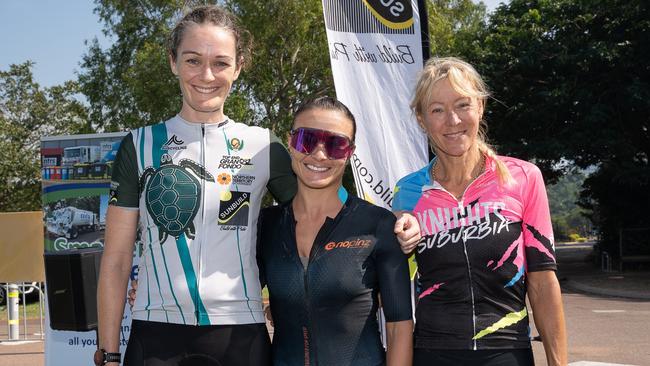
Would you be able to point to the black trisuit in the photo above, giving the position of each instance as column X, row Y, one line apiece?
column 325, row 312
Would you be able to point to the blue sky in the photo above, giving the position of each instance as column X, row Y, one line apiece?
column 52, row 34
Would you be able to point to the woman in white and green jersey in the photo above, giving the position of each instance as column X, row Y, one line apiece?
column 194, row 183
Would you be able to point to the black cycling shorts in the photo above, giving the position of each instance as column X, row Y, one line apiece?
column 165, row 344
column 489, row 357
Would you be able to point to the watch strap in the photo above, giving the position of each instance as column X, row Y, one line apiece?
column 112, row 357
column 102, row 357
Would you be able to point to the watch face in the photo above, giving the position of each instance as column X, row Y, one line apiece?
column 99, row 357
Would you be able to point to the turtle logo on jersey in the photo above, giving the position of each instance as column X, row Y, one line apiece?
column 172, row 195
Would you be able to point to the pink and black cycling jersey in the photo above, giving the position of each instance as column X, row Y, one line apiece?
column 475, row 253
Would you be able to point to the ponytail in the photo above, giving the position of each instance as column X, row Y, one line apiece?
column 503, row 174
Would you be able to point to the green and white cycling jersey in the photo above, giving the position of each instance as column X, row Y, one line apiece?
column 198, row 188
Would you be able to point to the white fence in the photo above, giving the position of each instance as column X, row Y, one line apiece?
column 20, row 327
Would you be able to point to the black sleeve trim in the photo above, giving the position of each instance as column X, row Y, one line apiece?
column 282, row 180
column 125, row 190
column 393, row 272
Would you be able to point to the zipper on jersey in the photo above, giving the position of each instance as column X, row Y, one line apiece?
column 461, row 204
column 471, row 291
column 310, row 347
column 203, row 194
column 308, row 344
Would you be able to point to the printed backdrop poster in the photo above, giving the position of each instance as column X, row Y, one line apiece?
column 76, row 179
column 375, row 49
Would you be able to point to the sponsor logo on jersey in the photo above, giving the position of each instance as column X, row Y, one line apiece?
column 349, row 244
column 236, row 179
column 234, row 162
column 235, row 144
column 174, row 143
column 224, row 179
column 243, row 179
column 233, row 208
column 112, row 193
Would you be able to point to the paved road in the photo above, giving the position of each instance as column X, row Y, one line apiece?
column 605, row 330
column 24, row 352
column 600, row 329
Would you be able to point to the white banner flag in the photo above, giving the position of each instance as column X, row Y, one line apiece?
column 375, row 49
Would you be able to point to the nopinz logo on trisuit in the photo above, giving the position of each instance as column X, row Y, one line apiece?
column 172, row 195
column 174, row 143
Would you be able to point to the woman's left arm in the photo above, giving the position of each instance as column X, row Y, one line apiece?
column 546, row 300
column 395, row 291
column 399, row 343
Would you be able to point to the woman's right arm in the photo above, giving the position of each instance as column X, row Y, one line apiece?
column 407, row 230
column 121, row 225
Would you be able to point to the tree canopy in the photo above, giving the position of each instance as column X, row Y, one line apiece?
column 28, row 112
column 571, row 81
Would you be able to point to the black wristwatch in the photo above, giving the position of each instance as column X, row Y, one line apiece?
column 102, row 357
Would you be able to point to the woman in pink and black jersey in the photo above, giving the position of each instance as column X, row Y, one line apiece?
column 487, row 237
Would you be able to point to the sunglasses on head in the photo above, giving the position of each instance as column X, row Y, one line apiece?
column 305, row 140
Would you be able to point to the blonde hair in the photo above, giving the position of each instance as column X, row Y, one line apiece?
column 465, row 80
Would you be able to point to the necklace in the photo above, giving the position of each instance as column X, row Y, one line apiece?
column 479, row 172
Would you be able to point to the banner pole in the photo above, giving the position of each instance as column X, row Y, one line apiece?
column 424, row 30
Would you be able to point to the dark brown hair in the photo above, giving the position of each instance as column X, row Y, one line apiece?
column 219, row 17
column 329, row 104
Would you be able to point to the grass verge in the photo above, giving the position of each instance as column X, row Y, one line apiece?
column 32, row 311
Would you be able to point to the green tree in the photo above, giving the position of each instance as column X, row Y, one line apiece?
column 290, row 61
column 454, row 26
column 567, row 216
column 130, row 84
column 28, row 112
column 572, row 83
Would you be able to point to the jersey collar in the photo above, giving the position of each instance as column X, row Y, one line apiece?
column 330, row 224
column 205, row 125
column 490, row 166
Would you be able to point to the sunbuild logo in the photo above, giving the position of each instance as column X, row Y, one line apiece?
column 395, row 14
column 369, row 16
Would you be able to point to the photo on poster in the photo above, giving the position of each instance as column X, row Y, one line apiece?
column 78, row 220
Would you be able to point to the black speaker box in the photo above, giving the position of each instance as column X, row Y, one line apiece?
column 71, row 281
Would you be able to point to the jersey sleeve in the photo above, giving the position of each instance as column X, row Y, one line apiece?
column 538, row 231
column 408, row 190
column 393, row 273
column 282, row 181
column 399, row 202
column 259, row 249
column 124, row 179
